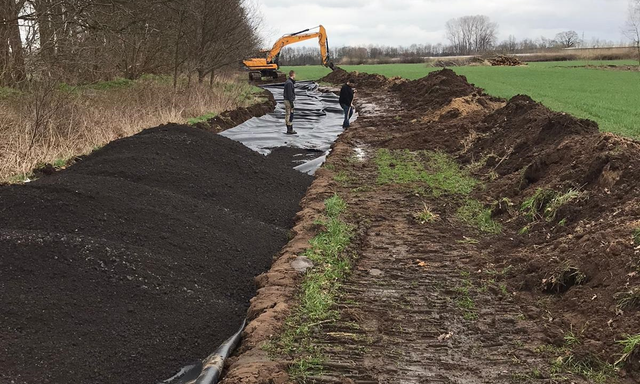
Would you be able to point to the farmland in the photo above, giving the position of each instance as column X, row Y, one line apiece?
column 609, row 97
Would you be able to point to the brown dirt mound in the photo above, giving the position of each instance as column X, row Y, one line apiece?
column 505, row 61
column 361, row 79
column 435, row 90
column 139, row 259
column 578, row 257
column 230, row 119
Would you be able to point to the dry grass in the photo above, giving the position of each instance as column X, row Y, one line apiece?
column 50, row 122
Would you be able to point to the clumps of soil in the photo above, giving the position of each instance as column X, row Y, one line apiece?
column 232, row 118
column 435, row 90
column 139, row 259
column 505, row 61
column 582, row 253
column 370, row 80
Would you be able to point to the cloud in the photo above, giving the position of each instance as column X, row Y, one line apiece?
column 406, row 22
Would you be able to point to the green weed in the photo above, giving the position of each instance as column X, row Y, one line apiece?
column 628, row 299
column 318, row 291
column 425, row 216
column 475, row 214
column 636, row 236
column 341, row 177
column 591, row 368
column 545, row 203
column 630, row 344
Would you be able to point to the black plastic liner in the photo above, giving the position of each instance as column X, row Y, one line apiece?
column 318, row 120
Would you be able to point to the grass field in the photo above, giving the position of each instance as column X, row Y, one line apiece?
column 609, row 97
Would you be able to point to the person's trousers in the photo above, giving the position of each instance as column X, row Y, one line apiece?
column 348, row 112
column 288, row 112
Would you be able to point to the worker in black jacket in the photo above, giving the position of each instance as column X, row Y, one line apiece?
column 346, row 102
column 289, row 98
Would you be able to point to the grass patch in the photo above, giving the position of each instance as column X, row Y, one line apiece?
column 475, row 214
column 545, row 203
column 7, row 92
column 636, row 236
column 438, row 170
column 425, row 216
column 628, row 299
column 341, row 177
column 591, row 368
column 563, row 278
column 202, row 119
column 631, row 345
column 318, row 292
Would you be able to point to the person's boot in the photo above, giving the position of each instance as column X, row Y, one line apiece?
column 290, row 130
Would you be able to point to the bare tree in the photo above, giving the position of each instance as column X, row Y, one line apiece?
column 12, row 65
column 568, row 39
column 632, row 26
column 471, row 34
column 79, row 41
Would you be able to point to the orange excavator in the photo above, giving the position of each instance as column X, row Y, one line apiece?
column 268, row 67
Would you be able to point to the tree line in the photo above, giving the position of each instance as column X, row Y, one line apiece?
column 80, row 41
column 467, row 35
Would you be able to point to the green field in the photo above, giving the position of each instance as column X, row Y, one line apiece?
column 609, row 97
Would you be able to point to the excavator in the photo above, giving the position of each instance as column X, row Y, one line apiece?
column 268, row 67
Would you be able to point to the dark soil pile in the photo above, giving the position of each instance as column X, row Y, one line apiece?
column 505, row 61
column 340, row 76
column 435, row 90
column 138, row 259
column 230, row 119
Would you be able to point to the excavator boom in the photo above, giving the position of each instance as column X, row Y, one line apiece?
column 268, row 67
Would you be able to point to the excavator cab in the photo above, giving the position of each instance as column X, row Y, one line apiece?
column 268, row 66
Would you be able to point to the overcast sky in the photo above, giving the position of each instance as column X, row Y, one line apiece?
column 404, row 22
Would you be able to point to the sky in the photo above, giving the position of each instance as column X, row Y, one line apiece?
column 405, row 22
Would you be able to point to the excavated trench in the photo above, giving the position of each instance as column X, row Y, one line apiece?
column 140, row 258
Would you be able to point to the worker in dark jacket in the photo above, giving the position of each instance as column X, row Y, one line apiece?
column 346, row 102
column 289, row 98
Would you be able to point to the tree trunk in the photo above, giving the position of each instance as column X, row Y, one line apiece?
column 4, row 50
column 14, row 68
column 45, row 30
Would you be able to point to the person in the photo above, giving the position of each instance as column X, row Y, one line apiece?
column 289, row 98
column 346, row 102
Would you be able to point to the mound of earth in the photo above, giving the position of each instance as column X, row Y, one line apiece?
column 582, row 253
column 140, row 258
column 435, row 90
column 361, row 79
column 230, row 119
column 505, row 61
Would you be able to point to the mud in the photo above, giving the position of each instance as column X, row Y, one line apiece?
column 139, row 259
column 537, row 285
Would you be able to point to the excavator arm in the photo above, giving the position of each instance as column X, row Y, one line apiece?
column 269, row 65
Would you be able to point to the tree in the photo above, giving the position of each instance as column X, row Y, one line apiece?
column 568, row 39
column 79, row 41
column 471, row 34
column 12, row 65
column 632, row 26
